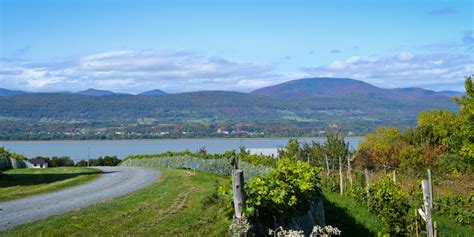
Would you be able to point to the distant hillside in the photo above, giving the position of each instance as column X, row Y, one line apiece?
column 155, row 92
column 226, row 106
column 343, row 88
column 4, row 92
column 451, row 93
column 95, row 92
column 300, row 107
column 319, row 87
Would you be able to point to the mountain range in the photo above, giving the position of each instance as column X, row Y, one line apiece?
column 296, row 89
column 301, row 105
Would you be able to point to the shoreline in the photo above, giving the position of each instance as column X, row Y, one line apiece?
column 173, row 139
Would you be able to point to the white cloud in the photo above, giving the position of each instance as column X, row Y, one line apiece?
column 135, row 71
column 432, row 71
column 405, row 56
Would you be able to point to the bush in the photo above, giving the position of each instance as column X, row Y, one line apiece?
column 390, row 203
column 105, row 161
column 330, row 183
column 287, row 191
column 60, row 161
column 459, row 208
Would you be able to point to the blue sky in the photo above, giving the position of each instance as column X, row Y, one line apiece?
column 131, row 46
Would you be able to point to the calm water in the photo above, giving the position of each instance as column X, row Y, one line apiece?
column 78, row 150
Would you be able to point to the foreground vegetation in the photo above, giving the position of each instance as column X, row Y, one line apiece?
column 349, row 216
column 18, row 183
column 180, row 203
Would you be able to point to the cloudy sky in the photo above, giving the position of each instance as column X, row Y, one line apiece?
column 176, row 46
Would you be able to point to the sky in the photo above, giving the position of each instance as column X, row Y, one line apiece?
column 178, row 46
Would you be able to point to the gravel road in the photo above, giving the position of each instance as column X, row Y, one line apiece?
column 115, row 181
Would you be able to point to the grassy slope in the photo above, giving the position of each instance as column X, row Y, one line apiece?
column 448, row 227
column 349, row 216
column 18, row 183
column 180, row 203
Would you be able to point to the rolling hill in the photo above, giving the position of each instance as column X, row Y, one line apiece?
column 452, row 93
column 342, row 88
column 155, row 92
column 95, row 92
column 306, row 105
column 4, row 92
column 319, row 87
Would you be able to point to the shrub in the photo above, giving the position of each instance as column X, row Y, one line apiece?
column 390, row 203
column 287, row 191
column 455, row 206
column 60, row 161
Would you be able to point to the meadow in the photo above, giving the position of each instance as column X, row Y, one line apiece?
column 19, row 183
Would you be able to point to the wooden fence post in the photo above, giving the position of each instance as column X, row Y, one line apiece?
column 237, row 186
column 341, row 184
column 416, row 223
column 367, row 181
column 430, row 183
column 394, row 176
column 435, row 229
column 349, row 174
column 427, row 210
column 327, row 165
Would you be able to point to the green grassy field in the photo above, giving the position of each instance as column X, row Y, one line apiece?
column 352, row 218
column 180, row 203
column 18, row 183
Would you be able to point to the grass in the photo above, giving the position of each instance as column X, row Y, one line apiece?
column 19, row 183
column 180, row 203
column 448, row 227
column 352, row 218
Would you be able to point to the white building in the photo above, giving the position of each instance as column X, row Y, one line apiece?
column 37, row 163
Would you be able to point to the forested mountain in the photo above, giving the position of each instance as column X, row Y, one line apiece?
column 154, row 92
column 95, row 92
column 4, row 92
column 342, row 88
column 301, row 107
column 452, row 93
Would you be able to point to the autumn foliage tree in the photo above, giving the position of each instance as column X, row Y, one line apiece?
column 442, row 139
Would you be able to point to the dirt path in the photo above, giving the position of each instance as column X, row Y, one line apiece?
column 115, row 181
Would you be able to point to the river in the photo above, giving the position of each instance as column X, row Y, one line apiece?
column 78, row 150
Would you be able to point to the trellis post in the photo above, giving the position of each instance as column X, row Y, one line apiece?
column 237, row 186
column 349, row 174
column 430, row 183
column 367, row 181
column 426, row 213
column 341, row 184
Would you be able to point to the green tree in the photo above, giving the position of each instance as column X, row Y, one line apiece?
column 336, row 148
column 443, row 125
column 467, row 121
column 292, row 150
